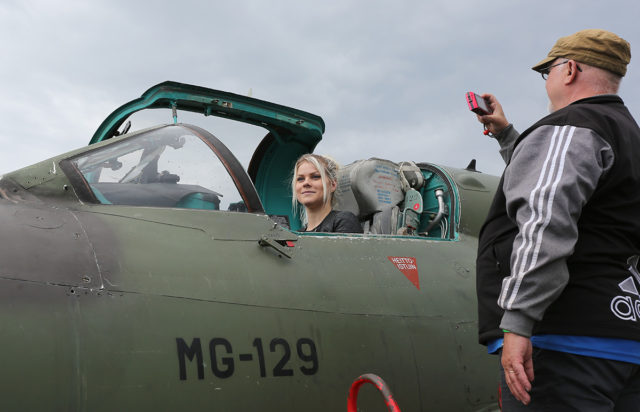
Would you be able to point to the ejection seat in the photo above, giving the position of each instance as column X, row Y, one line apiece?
column 382, row 194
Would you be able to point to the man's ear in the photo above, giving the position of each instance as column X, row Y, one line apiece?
column 571, row 73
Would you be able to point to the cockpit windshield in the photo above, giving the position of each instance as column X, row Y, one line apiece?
column 166, row 167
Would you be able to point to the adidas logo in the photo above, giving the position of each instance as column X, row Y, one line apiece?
column 628, row 307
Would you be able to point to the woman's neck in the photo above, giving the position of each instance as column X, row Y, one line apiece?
column 317, row 215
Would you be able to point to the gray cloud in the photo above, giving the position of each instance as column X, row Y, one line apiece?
column 388, row 78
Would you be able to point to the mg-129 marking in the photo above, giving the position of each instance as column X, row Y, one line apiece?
column 223, row 361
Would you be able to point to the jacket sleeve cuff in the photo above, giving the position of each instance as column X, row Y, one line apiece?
column 517, row 323
column 507, row 138
column 506, row 133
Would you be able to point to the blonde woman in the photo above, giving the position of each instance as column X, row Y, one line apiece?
column 314, row 182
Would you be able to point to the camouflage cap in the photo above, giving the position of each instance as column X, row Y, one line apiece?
column 595, row 47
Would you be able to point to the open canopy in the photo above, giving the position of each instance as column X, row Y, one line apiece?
column 283, row 122
column 291, row 132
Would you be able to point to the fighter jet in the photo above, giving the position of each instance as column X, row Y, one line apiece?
column 149, row 271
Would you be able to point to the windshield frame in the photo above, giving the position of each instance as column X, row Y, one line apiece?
column 239, row 176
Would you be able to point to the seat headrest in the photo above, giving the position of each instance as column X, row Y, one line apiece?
column 368, row 186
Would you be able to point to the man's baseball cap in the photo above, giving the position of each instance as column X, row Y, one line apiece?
column 595, row 47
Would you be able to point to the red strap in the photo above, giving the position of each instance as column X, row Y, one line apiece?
column 381, row 385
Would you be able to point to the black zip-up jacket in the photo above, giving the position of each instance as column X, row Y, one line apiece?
column 553, row 253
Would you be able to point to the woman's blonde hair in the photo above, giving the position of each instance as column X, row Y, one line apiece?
column 328, row 169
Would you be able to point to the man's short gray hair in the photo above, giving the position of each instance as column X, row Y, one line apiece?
column 602, row 81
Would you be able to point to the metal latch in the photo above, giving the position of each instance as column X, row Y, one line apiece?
column 266, row 241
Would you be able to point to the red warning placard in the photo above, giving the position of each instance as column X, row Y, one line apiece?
column 408, row 266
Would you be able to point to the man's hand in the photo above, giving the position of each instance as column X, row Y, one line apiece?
column 518, row 365
column 496, row 121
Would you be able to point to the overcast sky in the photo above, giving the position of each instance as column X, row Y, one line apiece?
column 387, row 77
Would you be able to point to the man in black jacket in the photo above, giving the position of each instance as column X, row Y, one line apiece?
column 558, row 286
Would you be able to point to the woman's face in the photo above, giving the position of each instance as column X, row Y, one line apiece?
column 309, row 191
